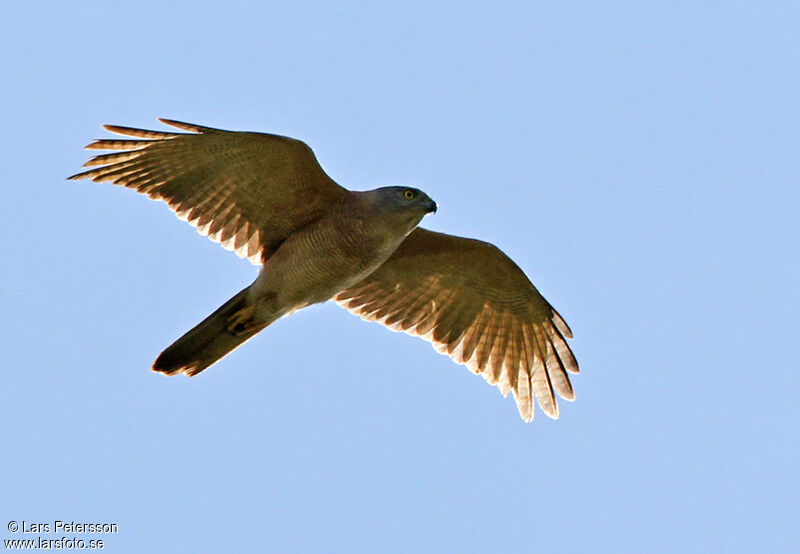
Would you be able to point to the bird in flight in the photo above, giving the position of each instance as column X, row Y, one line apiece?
column 267, row 198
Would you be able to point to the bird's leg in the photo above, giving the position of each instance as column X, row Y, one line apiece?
column 241, row 321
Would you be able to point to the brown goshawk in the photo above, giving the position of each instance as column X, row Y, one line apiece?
column 266, row 198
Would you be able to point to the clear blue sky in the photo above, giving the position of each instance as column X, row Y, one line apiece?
column 640, row 163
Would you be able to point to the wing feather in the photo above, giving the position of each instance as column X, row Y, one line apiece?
column 472, row 338
column 139, row 133
column 474, row 304
column 486, row 346
column 500, row 354
column 558, row 373
column 247, row 191
column 116, row 144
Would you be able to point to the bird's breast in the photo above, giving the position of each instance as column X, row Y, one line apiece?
column 321, row 260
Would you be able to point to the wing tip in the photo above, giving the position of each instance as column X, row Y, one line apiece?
column 561, row 324
column 552, row 413
column 116, row 129
column 191, row 127
column 526, row 408
column 138, row 133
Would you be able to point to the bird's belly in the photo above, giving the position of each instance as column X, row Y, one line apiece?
column 314, row 265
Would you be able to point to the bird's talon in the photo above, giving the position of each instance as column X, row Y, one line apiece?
column 242, row 320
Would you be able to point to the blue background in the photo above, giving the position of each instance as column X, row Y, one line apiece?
column 640, row 163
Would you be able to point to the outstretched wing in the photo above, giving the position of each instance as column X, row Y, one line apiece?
column 474, row 304
column 247, row 191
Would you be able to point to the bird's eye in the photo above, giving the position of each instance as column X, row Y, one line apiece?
column 410, row 194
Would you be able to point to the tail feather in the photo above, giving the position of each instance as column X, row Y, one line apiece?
column 227, row 328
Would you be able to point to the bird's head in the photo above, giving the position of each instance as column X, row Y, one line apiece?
column 403, row 199
column 400, row 207
column 406, row 206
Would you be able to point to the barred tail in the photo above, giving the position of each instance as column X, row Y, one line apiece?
column 213, row 338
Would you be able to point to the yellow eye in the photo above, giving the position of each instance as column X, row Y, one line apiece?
column 409, row 194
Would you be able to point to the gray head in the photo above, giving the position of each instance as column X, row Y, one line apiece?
column 405, row 198
column 399, row 199
column 401, row 206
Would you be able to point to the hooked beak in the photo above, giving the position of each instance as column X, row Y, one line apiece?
column 430, row 207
